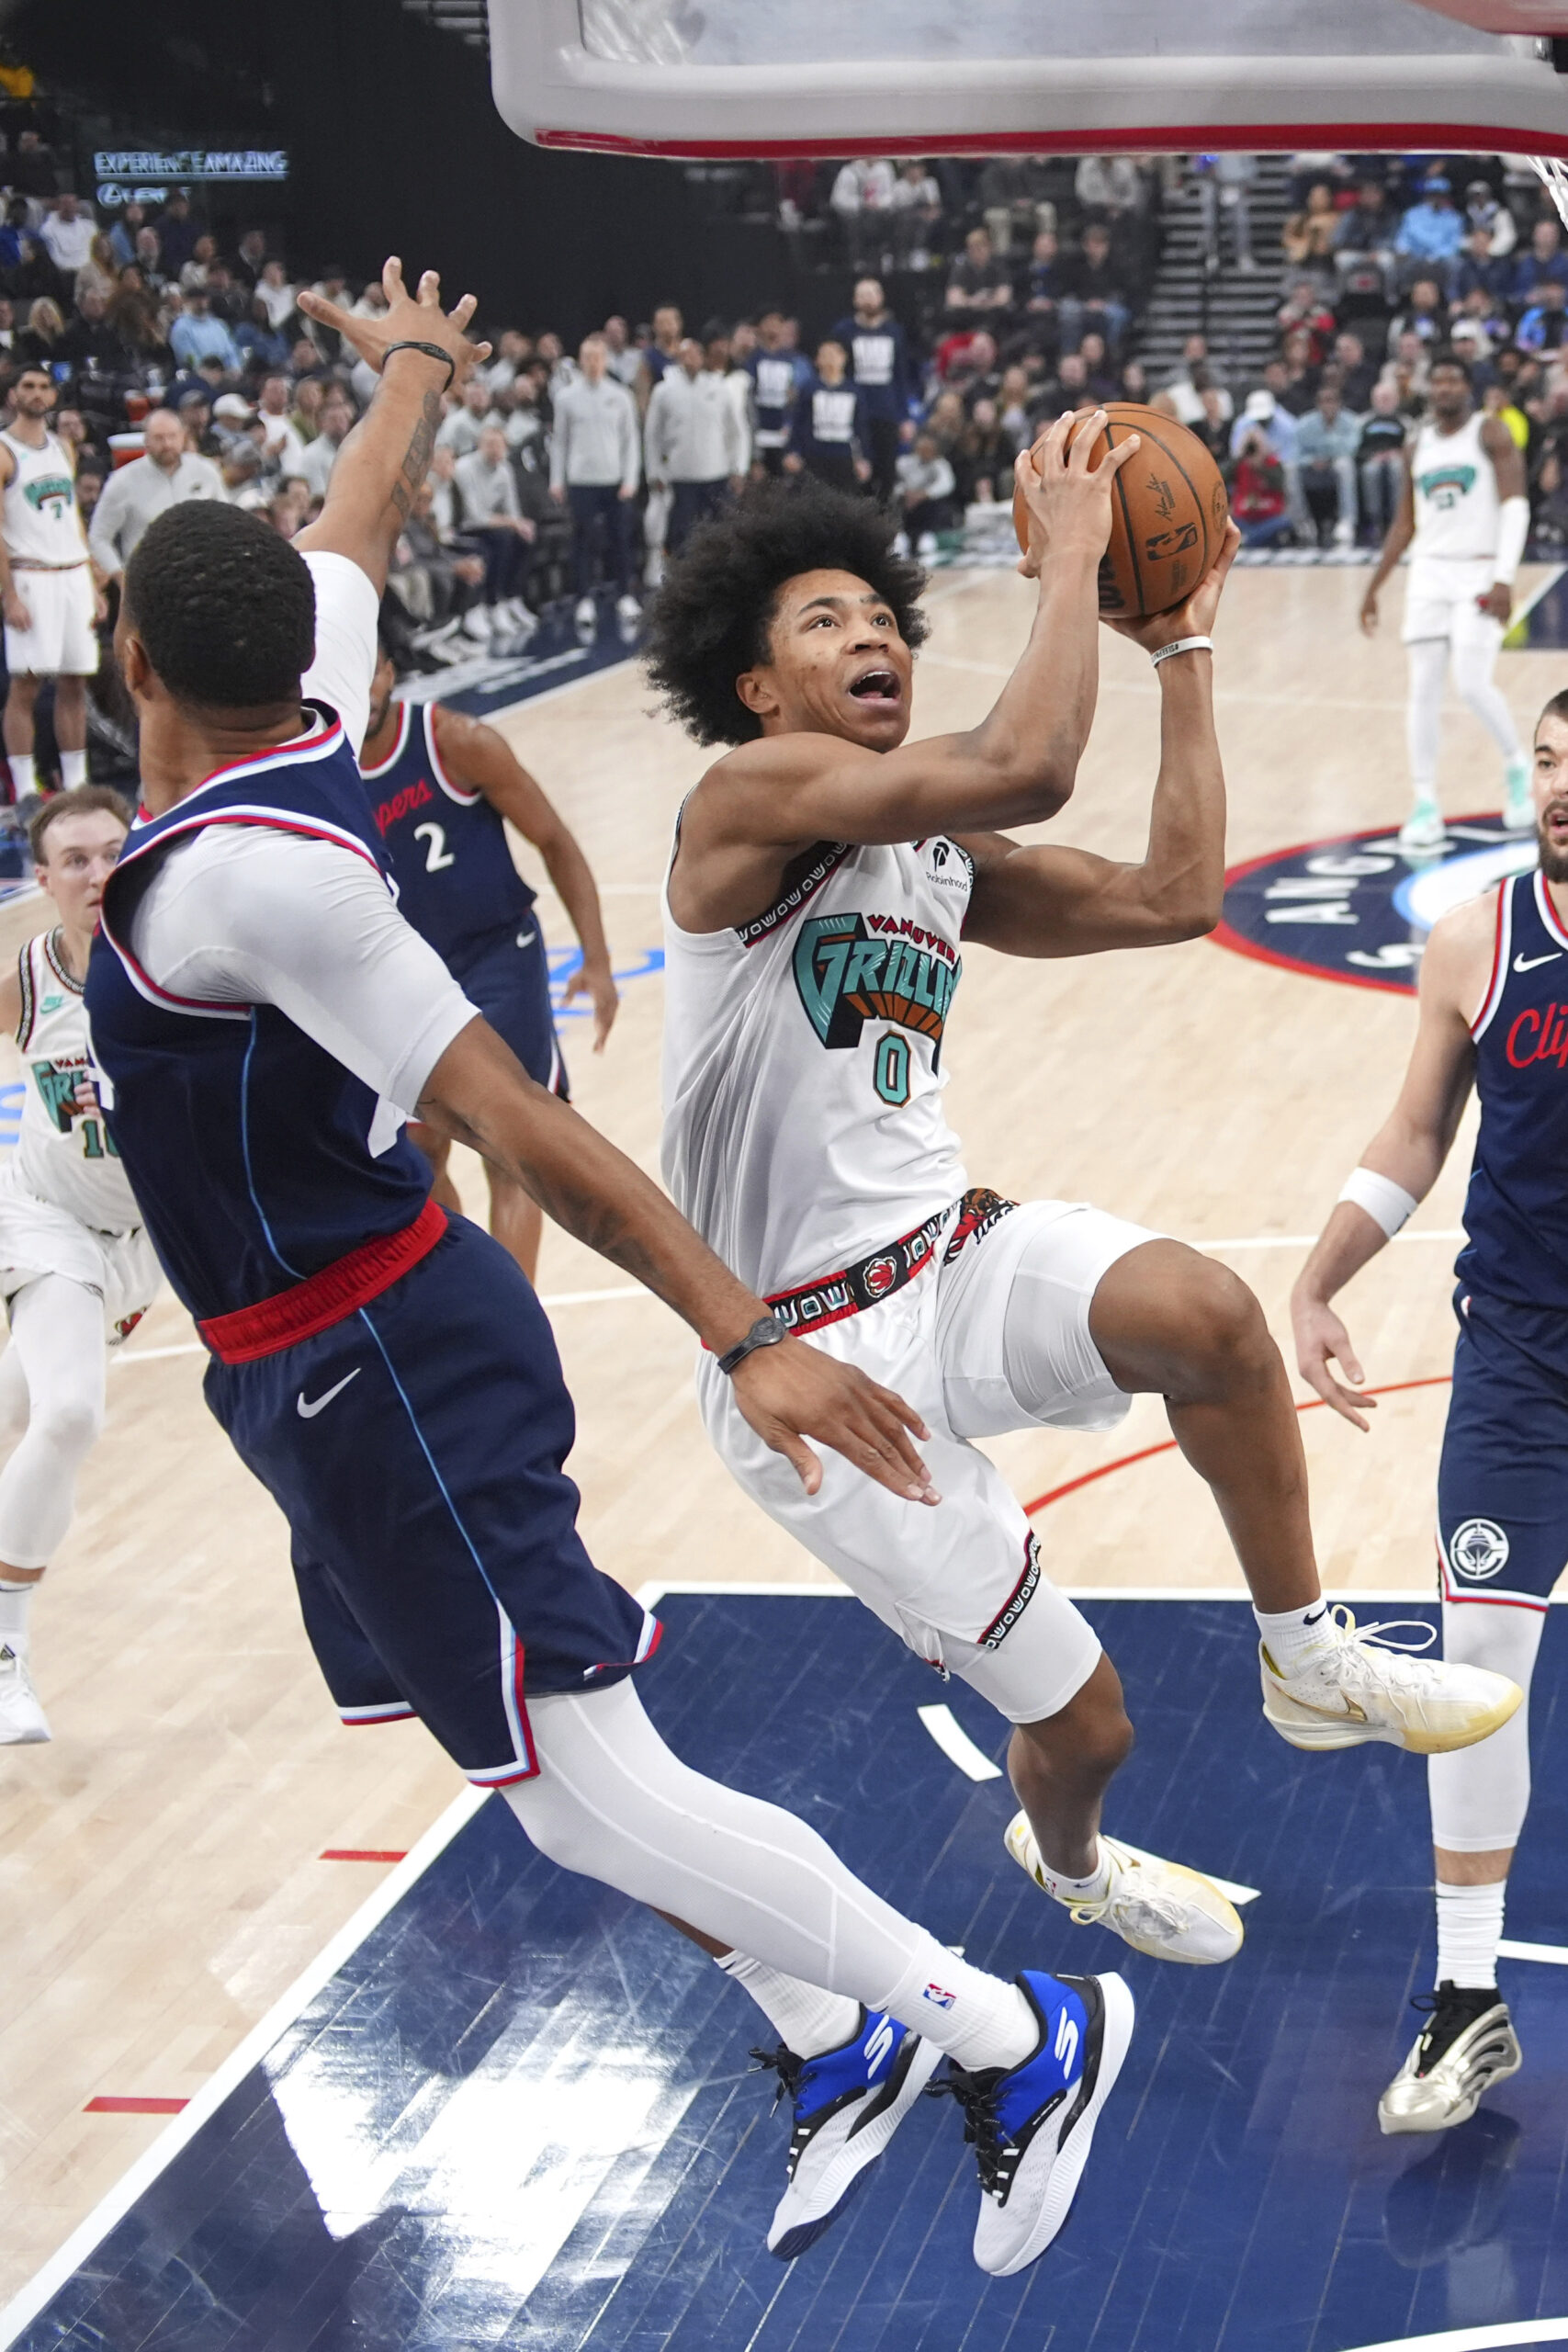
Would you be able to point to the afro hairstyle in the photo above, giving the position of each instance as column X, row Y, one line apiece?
column 709, row 622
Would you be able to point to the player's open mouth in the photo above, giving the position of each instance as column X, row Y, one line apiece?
column 877, row 685
column 1554, row 819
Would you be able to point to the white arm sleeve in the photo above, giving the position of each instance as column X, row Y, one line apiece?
column 240, row 915
column 1513, row 530
column 346, row 611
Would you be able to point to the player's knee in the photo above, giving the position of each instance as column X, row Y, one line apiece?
column 1201, row 1326
column 1089, row 1739
column 69, row 1424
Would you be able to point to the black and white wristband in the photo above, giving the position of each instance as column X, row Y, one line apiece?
column 430, row 350
column 1182, row 645
column 766, row 1333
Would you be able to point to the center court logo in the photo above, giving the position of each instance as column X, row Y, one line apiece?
column 1479, row 1550
column 1357, row 908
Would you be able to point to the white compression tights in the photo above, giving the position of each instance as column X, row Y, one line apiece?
column 1474, row 664
column 52, row 1403
column 1480, row 1795
column 612, row 1801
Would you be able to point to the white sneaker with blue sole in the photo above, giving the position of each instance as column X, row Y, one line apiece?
column 848, row 2104
column 1031, row 2125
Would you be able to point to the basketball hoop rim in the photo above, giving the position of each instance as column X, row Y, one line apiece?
column 1148, row 139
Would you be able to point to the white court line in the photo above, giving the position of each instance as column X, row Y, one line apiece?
column 1556, row 1955
column 1504, row 2338
column 557, row 1298
column 956, row 1745
column 46, row 2283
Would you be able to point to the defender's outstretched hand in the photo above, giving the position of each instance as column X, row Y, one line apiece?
column 408, row 318
column 794, row 1391
column 1196, row 616
column 1068, row 499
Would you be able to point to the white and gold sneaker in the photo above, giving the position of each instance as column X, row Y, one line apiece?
column 1160, row 1907
column 1467, row 2044
column 22, row 1719
column 1358, row 1686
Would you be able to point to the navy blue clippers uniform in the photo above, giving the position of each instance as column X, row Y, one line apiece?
column 387, row 1373
column 457, row 883
column 1503, row 1479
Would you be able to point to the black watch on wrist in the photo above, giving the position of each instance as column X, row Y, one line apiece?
column 766, row 1333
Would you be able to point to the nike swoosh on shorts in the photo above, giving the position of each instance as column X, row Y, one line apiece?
column 309, row 1412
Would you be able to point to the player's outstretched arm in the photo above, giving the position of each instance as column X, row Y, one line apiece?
column 1406, row 1153
column 791, row 789
column 1050, row 901
column 386, row 458
column 485, row 761
column 481, row 1095
column 1400, row 531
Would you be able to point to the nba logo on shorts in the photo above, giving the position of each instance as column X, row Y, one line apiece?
column 880, row 1276
column 1479, row 1550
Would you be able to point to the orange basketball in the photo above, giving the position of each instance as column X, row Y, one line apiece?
column 1168, row 513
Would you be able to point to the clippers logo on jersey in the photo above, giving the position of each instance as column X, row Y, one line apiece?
column 1446, row 485
column 417, row 795
column 1534, row 1037
column 851, row 968
column 1479, row 1550
column 1358, row 909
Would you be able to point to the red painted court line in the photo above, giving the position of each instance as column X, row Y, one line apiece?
column 1146, row 1452
column 105, row 2106
column 361, row 1854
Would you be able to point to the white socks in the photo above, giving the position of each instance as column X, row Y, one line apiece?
column 807, row 2019
column 23, row 775
column 15, row 1600
column 1470, row 1929
column 72, row 769
column 1292, row 1637
column 1092, row 1889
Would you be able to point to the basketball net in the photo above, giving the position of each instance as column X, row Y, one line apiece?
column 1554, row 177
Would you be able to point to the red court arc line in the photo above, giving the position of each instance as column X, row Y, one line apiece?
column 1146, row 1452
column 362, row 1854
column 108, row 2106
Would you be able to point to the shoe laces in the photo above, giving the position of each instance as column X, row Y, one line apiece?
column 789, row 2067
column 977, row 2095
column 1394, row 1661
column 1133, row 1898
column 1450, row 2010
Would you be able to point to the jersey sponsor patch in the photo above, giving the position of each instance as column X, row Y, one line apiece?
column 1357, row 908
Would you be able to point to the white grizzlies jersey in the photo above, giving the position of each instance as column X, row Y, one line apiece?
column 1457, row 506
column 63, row 1157
column 803, row 1079
column 40, row 521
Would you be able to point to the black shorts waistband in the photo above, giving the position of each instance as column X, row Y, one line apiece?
column 831, row 1297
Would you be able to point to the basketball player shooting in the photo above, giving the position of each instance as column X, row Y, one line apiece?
column 443, row 788
column 262, row 1018
column 826, row 877
column 1492, row 1017
column 1464, row 516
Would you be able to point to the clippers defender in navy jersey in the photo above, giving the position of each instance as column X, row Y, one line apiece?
column 827, row 880
column 263, row 1018
column 1495, row 1016
column 442, row 789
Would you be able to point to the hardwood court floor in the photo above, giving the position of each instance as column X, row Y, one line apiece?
column 160, row 1882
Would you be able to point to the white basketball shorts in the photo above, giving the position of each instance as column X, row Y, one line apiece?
column 37, row 1237
column 997, row 1339
column 1444, row 600
column 61, row 642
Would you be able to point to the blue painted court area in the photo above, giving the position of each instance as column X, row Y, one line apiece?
column 522, row 2114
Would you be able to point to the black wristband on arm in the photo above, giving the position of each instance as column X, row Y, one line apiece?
column 766, row 1333
column 431, row 351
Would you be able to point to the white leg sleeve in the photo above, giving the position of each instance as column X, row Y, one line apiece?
column 1480, row 1795
column 1475, row 657
column 14, row 1398
column 57, row 1339
column 1428, row 662
column 612, row 1801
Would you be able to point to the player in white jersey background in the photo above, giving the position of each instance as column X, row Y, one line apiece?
column 50, row 600
column 1464, row 515
column 75, row 1267
column 827, row 874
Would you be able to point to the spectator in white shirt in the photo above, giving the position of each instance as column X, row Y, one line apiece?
column 927, row 485
column 460, row 430
column 493, row 513
column 693, row 441
column 623, row 359
column 863, row 198
column 66, row 234
column 273, row 289
column 281, row 444
column 595, row 466
column 136, row 494
column 321, row 456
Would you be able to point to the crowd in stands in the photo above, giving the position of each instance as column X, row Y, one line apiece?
column 989, row 297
